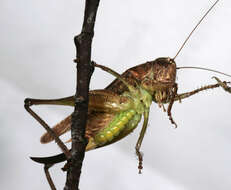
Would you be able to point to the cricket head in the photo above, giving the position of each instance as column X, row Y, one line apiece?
column 160, row 79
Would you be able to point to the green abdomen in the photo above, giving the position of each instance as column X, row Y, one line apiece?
column 117, row 125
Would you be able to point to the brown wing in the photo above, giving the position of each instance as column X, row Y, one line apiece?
column 59, row 129
column 96, row 121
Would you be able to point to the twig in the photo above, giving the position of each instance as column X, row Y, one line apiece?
column 84, row 71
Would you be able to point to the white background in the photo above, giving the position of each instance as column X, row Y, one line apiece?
column 36, row 53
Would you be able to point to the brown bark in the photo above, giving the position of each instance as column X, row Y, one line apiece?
column 83, row 44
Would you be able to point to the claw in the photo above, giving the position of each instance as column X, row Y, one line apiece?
column 223, row 84
column 140, row 157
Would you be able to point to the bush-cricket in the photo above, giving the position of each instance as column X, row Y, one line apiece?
column 117, row 108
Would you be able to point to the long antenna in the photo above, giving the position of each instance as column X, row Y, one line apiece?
column 194, row 29
column 202, row 68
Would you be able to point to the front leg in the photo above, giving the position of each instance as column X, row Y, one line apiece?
column 174, row 94
column 223, row 84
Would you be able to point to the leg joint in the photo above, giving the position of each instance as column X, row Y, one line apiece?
column 27, row 102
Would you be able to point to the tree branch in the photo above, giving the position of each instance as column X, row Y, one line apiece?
column 84, row 71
